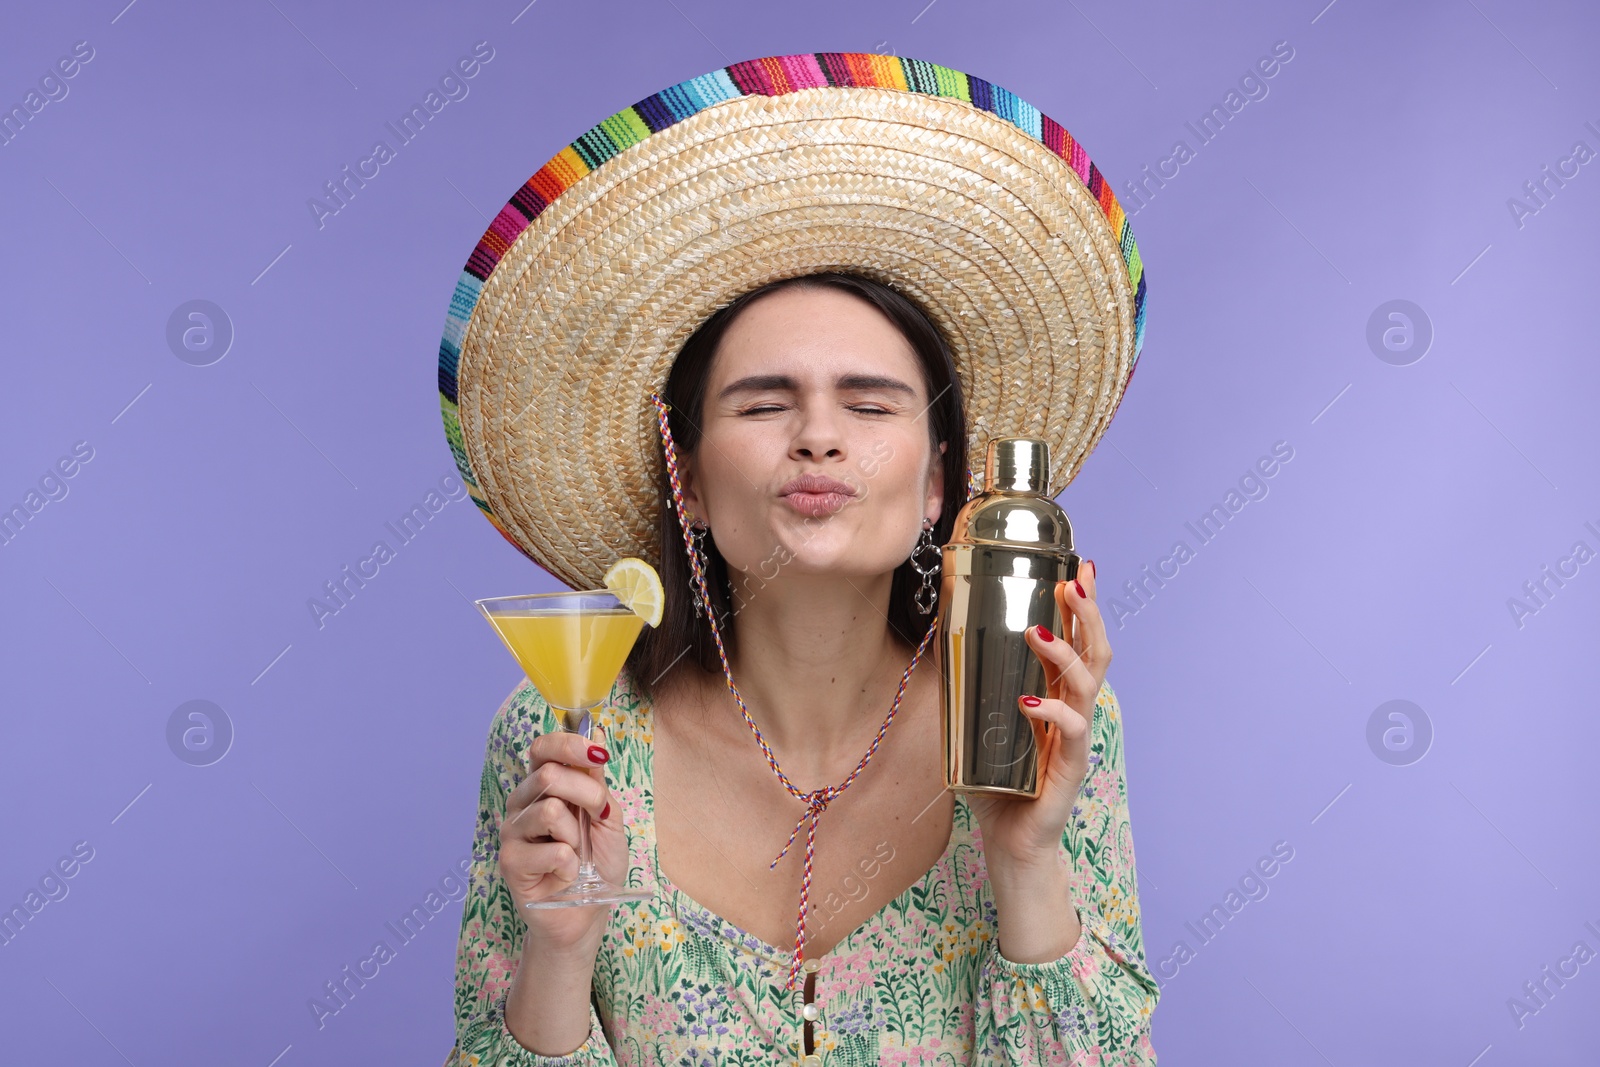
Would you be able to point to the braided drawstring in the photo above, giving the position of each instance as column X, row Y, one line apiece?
column 816, row 800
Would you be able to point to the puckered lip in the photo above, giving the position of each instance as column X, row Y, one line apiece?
column 816, row 483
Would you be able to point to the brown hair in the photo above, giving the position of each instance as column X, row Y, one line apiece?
column 683, row 636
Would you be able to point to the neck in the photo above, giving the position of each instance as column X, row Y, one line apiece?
column 818, row 668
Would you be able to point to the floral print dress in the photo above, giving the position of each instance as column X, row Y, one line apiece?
column 920, row 982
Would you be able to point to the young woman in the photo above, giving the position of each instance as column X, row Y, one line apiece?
column 816, row 434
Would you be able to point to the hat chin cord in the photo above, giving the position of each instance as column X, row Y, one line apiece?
column 815, row 800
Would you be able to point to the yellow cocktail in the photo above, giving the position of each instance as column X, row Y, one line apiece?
column 573, row 656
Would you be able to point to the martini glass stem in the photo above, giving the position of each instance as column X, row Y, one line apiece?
column 588, row 875
column 586, row 868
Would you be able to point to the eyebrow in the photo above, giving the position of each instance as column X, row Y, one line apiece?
column 762, row 382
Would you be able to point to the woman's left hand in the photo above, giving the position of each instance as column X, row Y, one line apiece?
column 1023, row 835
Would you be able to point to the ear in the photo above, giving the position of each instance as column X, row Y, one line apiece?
column 686, row 481
column 933, row 507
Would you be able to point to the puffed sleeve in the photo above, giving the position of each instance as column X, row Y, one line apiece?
column 1093, row 1005
column 490, row 943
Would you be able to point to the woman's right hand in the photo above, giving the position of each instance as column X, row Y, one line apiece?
column 539, row 837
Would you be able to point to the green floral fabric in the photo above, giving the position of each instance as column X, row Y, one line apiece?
column 920, row 982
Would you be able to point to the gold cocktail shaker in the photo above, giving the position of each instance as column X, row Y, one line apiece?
column 1011, row 544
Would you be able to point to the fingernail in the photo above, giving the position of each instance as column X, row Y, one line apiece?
column 598, row 754
column 1092, row 572
column 1044, row 633
column 605, row 811
column 1079, row 587
column 1031, row 702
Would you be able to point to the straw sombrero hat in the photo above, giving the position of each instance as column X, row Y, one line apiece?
column 580, row 294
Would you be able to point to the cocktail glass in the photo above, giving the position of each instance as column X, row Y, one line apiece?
column 572, row 646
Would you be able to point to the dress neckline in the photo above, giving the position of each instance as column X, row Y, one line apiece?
column 682, row 902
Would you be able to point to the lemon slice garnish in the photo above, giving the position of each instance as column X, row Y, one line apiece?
column 638, row 586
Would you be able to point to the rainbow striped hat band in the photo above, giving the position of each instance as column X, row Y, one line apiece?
column 575, row 302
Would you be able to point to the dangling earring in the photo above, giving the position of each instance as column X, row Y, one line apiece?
column 928, row 594
column 697, row 562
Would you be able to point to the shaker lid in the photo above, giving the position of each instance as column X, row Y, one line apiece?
column 1015, row 511
column 1017, row 465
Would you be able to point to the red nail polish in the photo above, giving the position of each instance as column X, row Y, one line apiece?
column 606, row 811
column 1079, row 587
column 1031, row 702
column 1044, row 633
column 1092, row 572
column 598, row 754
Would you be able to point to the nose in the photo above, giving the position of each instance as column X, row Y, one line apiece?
column 819, row 435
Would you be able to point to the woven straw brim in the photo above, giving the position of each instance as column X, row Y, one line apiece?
column 990, row 231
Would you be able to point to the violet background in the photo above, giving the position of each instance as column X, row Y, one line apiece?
column 220, row 498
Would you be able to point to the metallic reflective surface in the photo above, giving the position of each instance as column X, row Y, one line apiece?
column 1010, row 545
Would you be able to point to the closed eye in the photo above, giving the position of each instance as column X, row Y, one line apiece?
column 865, row 409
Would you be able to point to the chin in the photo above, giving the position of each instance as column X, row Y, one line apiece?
column 848, row 561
